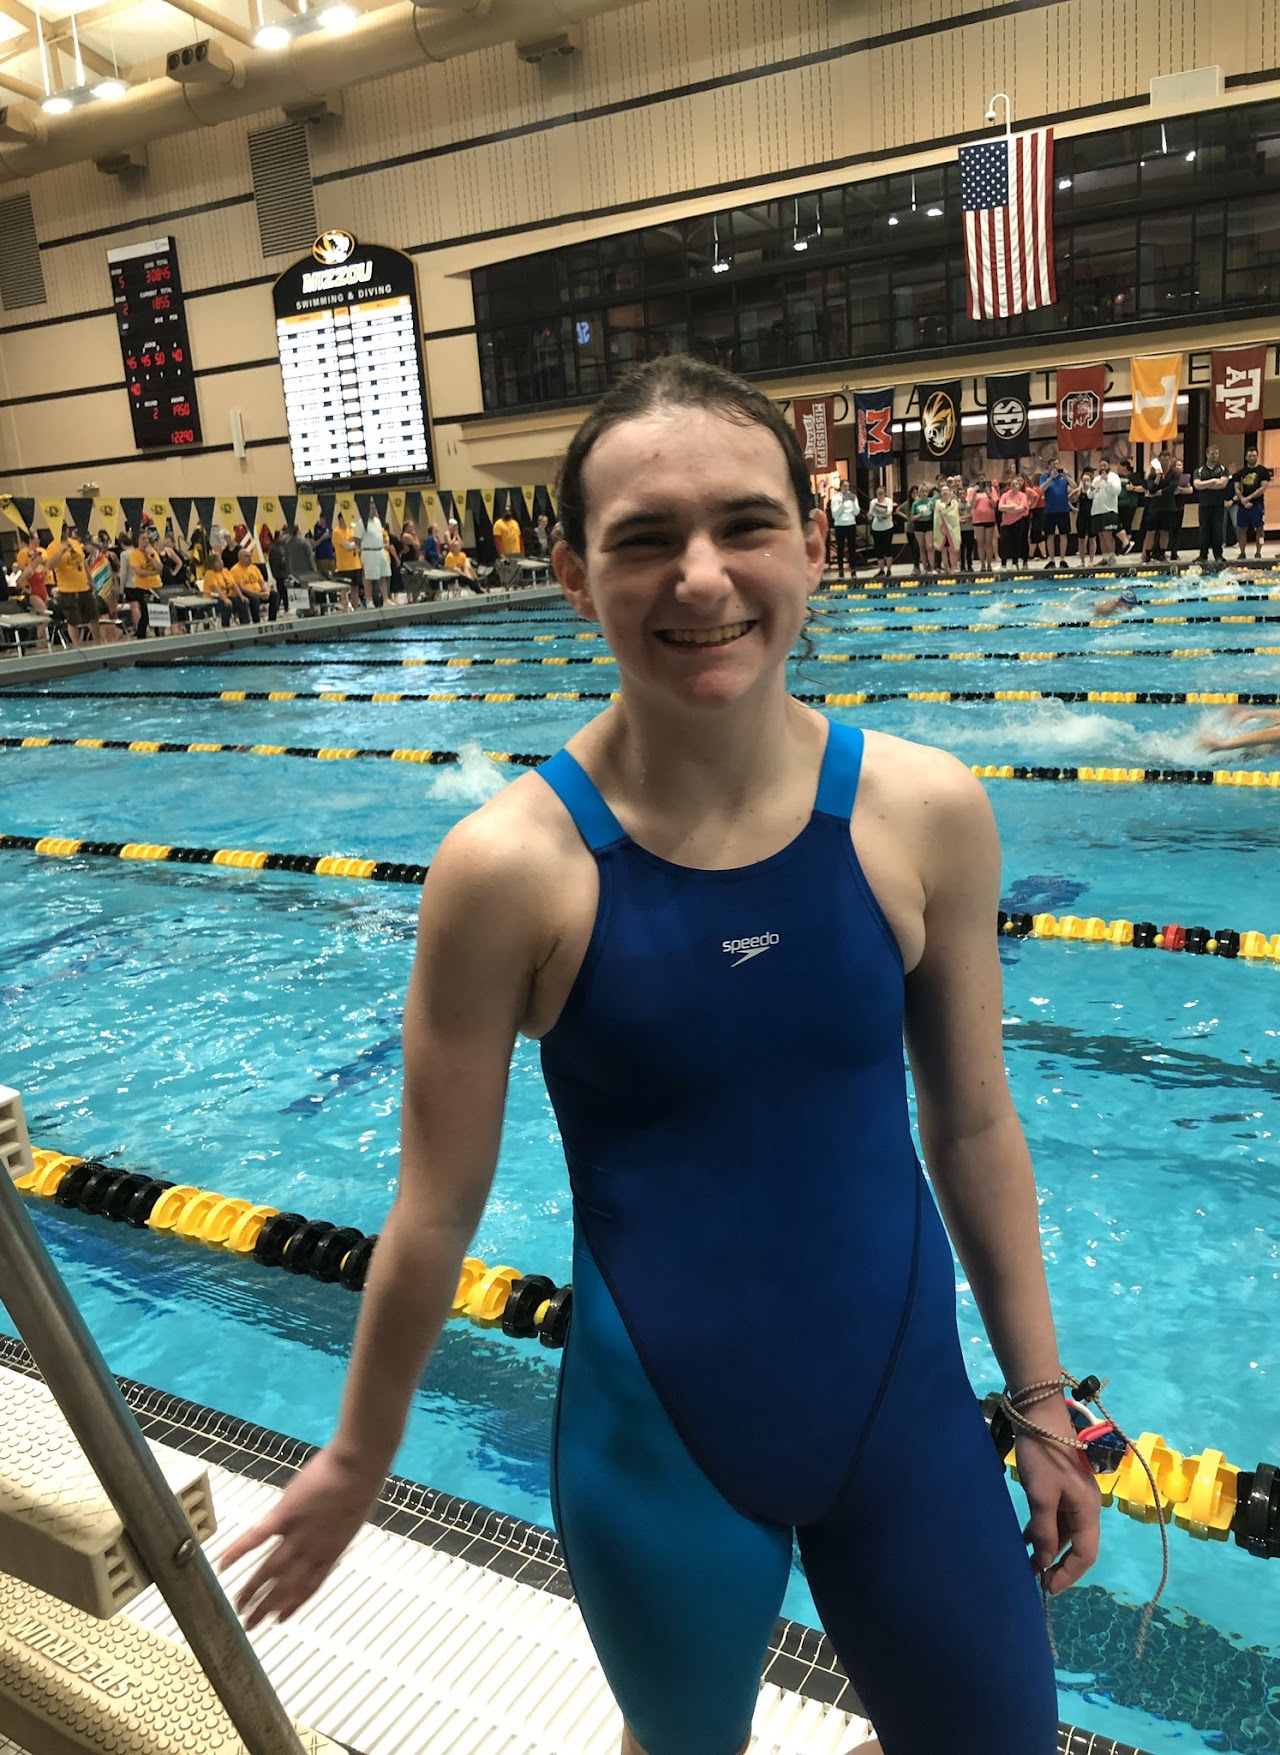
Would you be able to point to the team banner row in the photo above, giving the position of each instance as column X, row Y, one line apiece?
column 1235, row 406
column 254, row 512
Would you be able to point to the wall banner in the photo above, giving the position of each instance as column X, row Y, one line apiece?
column 1236, row 377
column 941, row 437
column 873, row 414
column 1009, row 415
column 1081, row 390
column 1153, row 385
column 815, row 424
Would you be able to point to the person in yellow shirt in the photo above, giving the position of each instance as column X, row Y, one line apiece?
column 219, row 585
column 76, row 600
column 346, row 550
column 253, row 587
column 506, row 535
column 457, row 561
column 144, row 578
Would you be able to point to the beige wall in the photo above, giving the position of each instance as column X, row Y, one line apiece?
column 880, row 101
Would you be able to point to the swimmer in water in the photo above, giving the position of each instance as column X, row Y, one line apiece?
column 718, row 911
column 1128, row 599
column 1266, row 737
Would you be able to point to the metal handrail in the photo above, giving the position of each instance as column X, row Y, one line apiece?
column 75, row 1371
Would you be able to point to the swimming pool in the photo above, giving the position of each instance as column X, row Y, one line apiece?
column 240, row 1031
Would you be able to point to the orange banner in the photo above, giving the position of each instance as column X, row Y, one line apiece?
column 1153, row 384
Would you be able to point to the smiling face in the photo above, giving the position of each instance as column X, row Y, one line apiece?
column 697, row 566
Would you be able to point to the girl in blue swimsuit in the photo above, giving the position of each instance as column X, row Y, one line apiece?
column 719, row 912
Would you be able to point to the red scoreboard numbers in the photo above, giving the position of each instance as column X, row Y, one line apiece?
column 146, row 292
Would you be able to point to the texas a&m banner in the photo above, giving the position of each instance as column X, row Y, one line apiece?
column 1153, row 385
column 1080, row 393
column 1235, row 389
column 873, row 411
column 815, row 419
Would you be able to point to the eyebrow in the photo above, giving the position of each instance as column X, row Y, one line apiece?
column 720, row 508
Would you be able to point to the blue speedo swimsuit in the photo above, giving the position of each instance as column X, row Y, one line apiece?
column 764, row 1333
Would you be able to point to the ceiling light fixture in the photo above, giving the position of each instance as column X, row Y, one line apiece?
column 719, row 263
column 109, row 88
column 934, row 212
column 1064, row 182
column 893, row 219
column 336, row 18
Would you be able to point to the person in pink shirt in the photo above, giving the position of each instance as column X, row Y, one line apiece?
column 984, row 499
column 1015, row 523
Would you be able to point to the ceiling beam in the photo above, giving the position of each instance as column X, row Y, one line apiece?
column 23, row 15
column 205, row 15
column 20, row 87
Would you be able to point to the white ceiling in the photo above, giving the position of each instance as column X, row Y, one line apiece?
column 131, row 35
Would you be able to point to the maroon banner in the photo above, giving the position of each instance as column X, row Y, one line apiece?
column 815, row 418
column 1080, row 393
column 1235, row 389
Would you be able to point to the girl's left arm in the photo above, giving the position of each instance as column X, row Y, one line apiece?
column 975, row 1149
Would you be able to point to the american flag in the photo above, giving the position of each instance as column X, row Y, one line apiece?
column 1006, row 190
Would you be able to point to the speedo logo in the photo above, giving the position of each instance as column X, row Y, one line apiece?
column 743, row 949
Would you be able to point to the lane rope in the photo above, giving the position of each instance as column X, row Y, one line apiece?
column 818, row 658
column 862, row 697
column 324, row 753
column 1204, row 1495
column 1139, row 935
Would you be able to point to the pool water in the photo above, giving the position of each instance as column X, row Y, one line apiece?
column 241, row 1031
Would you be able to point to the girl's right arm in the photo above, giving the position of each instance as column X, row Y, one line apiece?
column 482, row 934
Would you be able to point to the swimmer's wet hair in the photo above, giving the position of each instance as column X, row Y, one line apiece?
column 674, row 382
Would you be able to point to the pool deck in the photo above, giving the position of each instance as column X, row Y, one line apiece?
column 445, row 1626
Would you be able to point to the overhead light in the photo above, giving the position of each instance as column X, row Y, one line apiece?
column 1064, row 182
column 57, row 104
column 109, row 89
column 1191, row 156
column 336, row 18
column 893, row 219
column 934, row 212
column 800, row 244
column 720, row 266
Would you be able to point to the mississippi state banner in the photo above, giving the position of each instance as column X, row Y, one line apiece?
column 1009, row 415
column 940, row 436
column 873, row 411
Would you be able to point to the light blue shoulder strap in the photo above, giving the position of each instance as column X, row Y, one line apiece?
column 841, row 766
column 576, row 791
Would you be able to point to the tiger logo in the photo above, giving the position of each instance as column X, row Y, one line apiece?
column 938, row 418
column 333, row 248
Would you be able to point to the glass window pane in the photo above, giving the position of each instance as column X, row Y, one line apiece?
column 1101, row 282
column 761, row 324
column 1253, row 251
column 625, row 344
column 662, row 251
column 580, row 275
column 713, row 334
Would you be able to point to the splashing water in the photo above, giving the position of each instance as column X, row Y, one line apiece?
column 471, row 779
column 1058, row 734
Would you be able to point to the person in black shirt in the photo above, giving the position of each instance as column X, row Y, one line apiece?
column 1250, row 486
column 1212, row 483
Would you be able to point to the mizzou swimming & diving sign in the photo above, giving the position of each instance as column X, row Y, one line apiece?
column 350, row 340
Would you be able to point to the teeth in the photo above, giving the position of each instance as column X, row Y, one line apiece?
column 705, row 636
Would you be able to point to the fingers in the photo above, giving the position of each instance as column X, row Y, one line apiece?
column 245, row 1544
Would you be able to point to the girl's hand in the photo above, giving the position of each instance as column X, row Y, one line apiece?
column 1062, row 1531
column 315, row 1518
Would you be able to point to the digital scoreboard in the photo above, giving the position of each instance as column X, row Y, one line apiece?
column 151, row 319
column 349, row 335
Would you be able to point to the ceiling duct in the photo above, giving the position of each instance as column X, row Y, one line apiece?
column 391, row 40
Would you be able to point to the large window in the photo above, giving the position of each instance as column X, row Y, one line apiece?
column 1170, row 221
